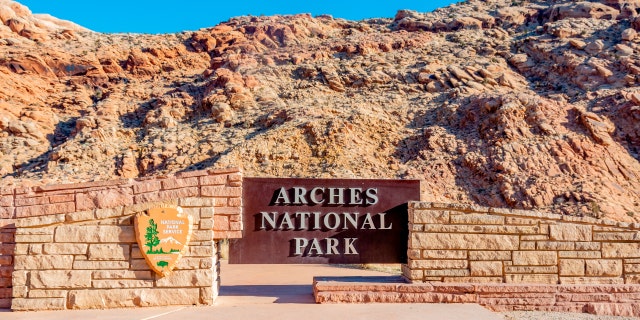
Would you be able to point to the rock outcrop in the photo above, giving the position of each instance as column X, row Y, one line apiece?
column 525, row 104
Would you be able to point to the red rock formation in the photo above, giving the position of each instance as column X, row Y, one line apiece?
column 526, row 104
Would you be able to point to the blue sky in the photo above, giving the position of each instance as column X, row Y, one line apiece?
column 163, row 16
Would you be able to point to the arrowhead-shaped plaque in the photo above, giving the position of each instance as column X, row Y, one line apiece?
column 163, row 235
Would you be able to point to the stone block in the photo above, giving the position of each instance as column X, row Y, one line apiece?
column 206, row 224
column 122, row 274
column 7, row 201
column 555, row 245
column 206, row 212
column 19, row 278
column 38, row 293
column 109, row 251
column 7, row 212
column 527, row 245
column 45, row 209
column 43, row 262
column 146, row 186
column 40, row 221
column 227, row 235
column 235, row 202
column 221, row 222
column 621, row 250
column 535, row 258
column 187, row 278
column 631, row 268
column 221, row 191
column 580, row 254
column 532, row 278
column 208, row 295
column 179, row 193
column 122, row 284
column 485, row 268
column 80, row 216
column 37, row 304
column 476, row 219
column 105, row 213
column 587, row 246
column 531, row 269
column 30, row 238
column 444, row 254
column 174, row 183
column 490, row 255
column 202, row 235
column 429, row 216
column 65, row 248
column 197, row 202
column 108, row 198
column 139, row 264
column 213, row 180
column 229, row 211
column 94, row 234
column 193, row 263
column 521, row 221
column 99, row 265
column 199, row 251
column 60, row 279
column 222, row 202
column 604, row 268
column 140, row 297
column 591, row 280
column 447, row 273
column 570, row 232
column 616, row 236
column 464, row 241
column 16, row 292
column 438, row 264
column 572, row 267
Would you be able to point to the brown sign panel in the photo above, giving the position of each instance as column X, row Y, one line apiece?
column 324, row 221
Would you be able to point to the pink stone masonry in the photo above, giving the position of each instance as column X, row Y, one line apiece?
column 36, row 225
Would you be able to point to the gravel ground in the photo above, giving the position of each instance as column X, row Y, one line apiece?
column 541, row 315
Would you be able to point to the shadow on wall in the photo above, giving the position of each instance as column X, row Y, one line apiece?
column 7, row 245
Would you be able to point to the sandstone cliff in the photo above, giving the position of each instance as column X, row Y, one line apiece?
column 521, row 104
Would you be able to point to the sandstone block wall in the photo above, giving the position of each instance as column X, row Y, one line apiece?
column 75, row 248
column 458, row 243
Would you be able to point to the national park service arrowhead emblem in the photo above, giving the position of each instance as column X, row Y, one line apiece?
column 163, row 235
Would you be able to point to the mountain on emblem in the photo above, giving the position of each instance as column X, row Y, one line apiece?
column 163, row 235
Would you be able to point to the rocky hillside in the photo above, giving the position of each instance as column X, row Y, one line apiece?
column 521, row 104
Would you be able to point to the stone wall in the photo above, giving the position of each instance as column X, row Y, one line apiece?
column 75, row 248
column 583, row 262
column 457, row 243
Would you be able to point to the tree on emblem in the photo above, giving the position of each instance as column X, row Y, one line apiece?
column 152, row 236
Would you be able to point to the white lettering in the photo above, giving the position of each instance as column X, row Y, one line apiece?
column 348, row 246
column 372, row 196
column 303, row 217
column 286, row 219
column 316, row 221
column 313, row 193
column 268, row 219
column 315, row 245
column 351, row 218
column 355, row 196
column 298, row 195
column 336, row 220
column 300, row 244
column 336, row 194
column 282, row 196
column 382, row 226
column 368, row 221
column 332, row 246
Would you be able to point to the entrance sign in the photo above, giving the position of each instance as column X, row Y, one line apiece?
column 163, row 235
column 324, row 221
